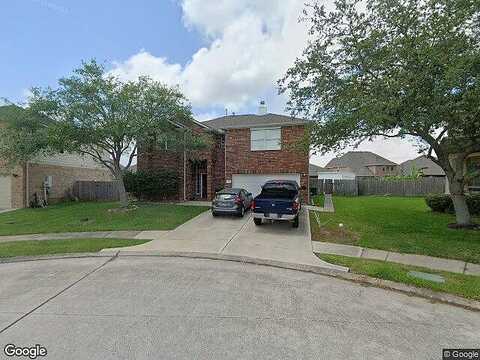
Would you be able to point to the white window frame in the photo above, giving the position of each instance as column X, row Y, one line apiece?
column 265, row 142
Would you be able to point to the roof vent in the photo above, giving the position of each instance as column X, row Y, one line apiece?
column 262, row 108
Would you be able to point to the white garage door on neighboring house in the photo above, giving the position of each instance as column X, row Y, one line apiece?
column 5, row 192
column 253, row 183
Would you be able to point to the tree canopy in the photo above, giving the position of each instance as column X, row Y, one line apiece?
column 95, row 114
column 393, row 68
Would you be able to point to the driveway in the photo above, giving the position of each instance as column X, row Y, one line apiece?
column 236, row 236
column 166, row 308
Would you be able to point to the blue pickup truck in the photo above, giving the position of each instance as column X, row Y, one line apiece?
column 279, row 200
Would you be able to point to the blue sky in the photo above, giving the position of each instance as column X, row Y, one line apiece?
column 44, row 40
column 225, row 54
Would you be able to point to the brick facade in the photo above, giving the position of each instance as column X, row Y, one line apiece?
column 288, row 160
column 63, row 179
column 384, row 170
column 210, row 161
column 239, row 160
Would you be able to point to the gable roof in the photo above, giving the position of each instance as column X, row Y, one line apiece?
column 251, row 120
column 423, row 163
column 313, row 169
column 358, row 162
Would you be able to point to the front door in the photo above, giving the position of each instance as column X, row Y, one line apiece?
column 204, row 186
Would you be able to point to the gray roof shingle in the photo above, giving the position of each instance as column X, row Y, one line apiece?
column 313, row 169
column 249, row 121
column 423, row 163
column 357, row 162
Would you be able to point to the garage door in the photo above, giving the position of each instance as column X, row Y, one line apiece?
column 5, row 192
column 253, row 183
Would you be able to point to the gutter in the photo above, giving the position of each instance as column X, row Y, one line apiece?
column 27, row 186
column 184, row 168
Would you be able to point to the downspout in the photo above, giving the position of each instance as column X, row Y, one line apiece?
column 184, row 167
column 225, row 159
column 27, row 186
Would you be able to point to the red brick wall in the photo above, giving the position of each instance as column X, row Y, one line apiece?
column 241, row 160
column 215, row 169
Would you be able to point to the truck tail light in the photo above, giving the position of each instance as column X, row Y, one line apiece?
column 296, row 205
column 252, row 206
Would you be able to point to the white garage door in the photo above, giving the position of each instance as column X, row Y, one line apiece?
column 5, row 192
column 253, row 183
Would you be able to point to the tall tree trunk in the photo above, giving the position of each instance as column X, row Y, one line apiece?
column 122, row 193
column 462, row 213
column 457, row 190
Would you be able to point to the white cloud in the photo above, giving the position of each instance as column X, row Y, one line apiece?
column 144, row 63
column 251, row 44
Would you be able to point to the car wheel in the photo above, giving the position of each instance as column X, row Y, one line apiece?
column 257, row 222
column 296, row 222
column 241, row 213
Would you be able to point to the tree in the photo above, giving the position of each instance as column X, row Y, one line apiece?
column 95, row 114
column 394, row 68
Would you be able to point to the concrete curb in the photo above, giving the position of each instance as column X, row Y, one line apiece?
column 436, row 297
column 428, row 262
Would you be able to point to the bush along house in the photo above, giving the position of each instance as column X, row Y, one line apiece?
column 245, row 151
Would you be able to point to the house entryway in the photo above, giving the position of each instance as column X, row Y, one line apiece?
column 200, row 180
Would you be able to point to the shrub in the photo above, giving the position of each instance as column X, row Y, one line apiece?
column 473, row 202
column 439, row 202
column 152, row 185
column 444, row 203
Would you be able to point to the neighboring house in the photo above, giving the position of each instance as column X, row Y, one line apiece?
column 313, row 170
column 246, row 151
column 472, row 165
column 57, row 172
column 336, row 174
column 422, row 164
column 355, row 164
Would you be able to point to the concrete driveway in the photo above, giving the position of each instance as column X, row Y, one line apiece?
column 236, row 236
column 165, row 308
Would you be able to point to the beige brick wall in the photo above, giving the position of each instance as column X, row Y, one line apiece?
column 17, row 184
column 63, row 179
column 18, row 187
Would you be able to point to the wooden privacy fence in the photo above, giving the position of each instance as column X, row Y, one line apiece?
column 417, row 187
column 379, row 186
column 96, row 190
column 337, row 187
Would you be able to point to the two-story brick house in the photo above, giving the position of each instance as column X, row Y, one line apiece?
column 246, row 151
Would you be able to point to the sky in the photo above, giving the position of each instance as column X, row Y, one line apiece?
column 224, row 54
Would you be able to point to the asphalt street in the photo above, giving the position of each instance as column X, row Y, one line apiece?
column 166, row 308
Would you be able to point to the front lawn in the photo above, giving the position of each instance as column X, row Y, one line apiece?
column 49, row 247
column 399, row 224
column 467, row 286
column 95, row 216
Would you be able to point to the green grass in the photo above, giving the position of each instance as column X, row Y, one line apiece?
column 400, row 224
column 95, row 216
column 467, row 286
column 49, row 247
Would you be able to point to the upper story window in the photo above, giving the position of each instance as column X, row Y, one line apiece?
column 265, row 139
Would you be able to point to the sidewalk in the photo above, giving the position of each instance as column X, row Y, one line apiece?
column 327, row 205
column 455, row 266
column 73, row 235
